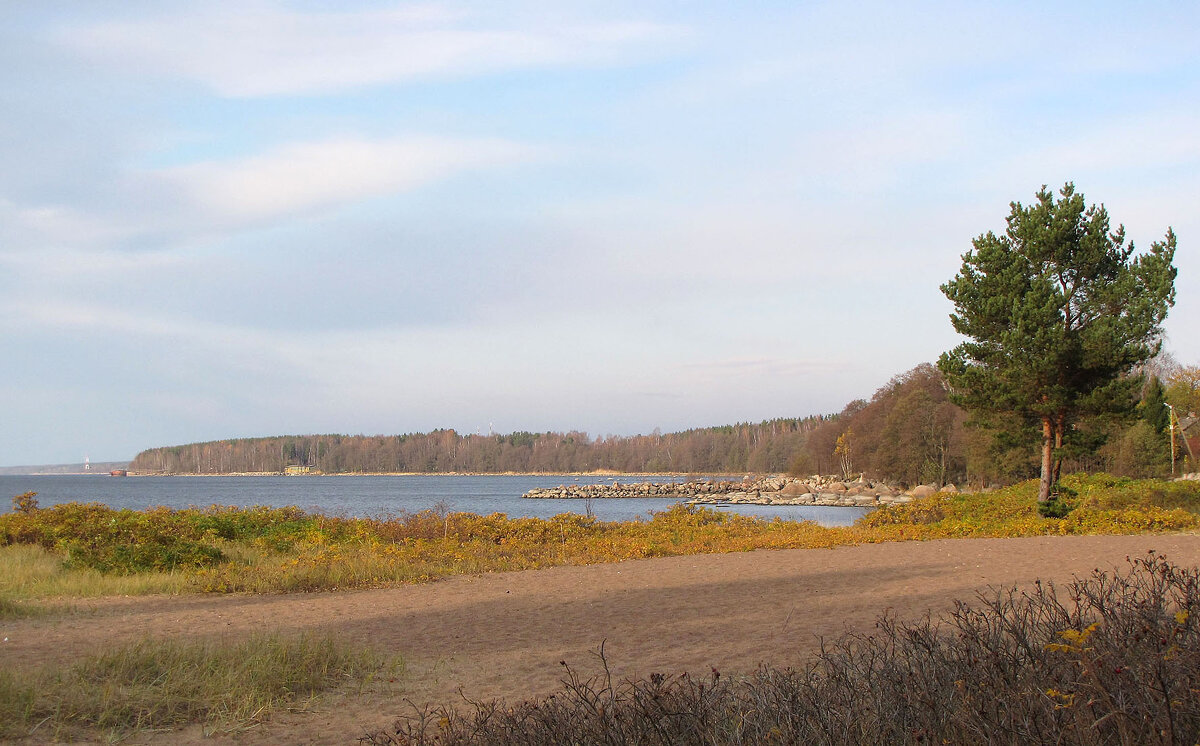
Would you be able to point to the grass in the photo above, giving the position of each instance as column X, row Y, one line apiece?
column 1115, row 659
column 165, row 683
column 83, row 550
column 79, row 550
column 10, row 609
column 31, row 571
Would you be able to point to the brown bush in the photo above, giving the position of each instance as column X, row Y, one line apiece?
column 1115, row 661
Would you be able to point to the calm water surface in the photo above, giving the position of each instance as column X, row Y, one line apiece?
column 373, row 495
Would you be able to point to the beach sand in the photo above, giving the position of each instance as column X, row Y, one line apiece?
column 504, row 634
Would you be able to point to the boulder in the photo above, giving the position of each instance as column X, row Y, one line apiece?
column 922, row 490
column 949, row 489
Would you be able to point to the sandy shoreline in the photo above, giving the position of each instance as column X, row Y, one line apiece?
column 503, row 634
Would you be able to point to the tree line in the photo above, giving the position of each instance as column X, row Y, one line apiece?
column 745, row 447
column 1060, row 369
column 910, row 431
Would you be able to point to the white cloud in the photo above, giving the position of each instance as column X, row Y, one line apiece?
column 177, row 204
column 260, row 49
column 303, row 176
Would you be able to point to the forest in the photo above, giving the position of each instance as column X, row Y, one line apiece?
column 909, row 432
column 762, row 447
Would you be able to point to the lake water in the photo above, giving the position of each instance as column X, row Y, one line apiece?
column 374, row 495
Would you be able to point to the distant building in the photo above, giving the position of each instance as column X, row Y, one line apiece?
column 297, row 469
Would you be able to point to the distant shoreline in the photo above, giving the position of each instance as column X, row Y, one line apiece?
column 597, row 473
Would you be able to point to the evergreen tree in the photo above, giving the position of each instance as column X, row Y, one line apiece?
column 1057, row 312
column 1153, row 407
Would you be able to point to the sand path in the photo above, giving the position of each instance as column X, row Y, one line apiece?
column 503, row 635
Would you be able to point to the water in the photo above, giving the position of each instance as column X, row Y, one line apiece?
column 374, row 495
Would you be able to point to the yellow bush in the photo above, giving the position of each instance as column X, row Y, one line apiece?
column 270, row 549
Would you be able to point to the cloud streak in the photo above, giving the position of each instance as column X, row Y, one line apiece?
column 247, row 50
column 171, row 206
column 306, row 176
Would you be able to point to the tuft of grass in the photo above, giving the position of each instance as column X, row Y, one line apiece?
column 166, row 683
column 1114, row 659
column 13, row 609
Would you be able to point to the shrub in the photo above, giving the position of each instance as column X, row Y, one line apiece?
column 261, row 549
column 1115, row 659
column 25, row 502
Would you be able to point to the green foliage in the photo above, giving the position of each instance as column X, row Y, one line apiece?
column 1152, row 409
column 1056, row 312
column 1183, row 390
column 1058, row 506
column 96, row 536
column 1092, row 504
column 1140, row 449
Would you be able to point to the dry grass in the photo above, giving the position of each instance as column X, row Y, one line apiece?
column 78, row 550
column 155, row 684
column 32, row 572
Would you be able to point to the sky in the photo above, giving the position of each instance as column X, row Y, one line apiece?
column 234, row 219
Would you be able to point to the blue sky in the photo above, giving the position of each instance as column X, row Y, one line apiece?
column 254, row 218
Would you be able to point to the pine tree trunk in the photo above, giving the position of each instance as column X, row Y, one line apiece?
column 1047, row 460
column 1060, row 427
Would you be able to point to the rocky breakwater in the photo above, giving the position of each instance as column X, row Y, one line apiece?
column 815, row 490
column 676, row 490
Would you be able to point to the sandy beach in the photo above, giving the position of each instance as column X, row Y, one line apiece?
column 504, row 635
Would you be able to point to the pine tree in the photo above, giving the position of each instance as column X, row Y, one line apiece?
column 1153, row 407
column 1057, row 312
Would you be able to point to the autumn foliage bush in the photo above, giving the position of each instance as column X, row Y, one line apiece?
column 264, row 549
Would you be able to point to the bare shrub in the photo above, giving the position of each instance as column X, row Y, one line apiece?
column 1115, row 660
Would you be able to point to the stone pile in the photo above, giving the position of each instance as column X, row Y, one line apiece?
column 677, row 490
column 814, row 490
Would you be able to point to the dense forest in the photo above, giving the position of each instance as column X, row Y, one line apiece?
column 909, row 432
column 762, row 447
